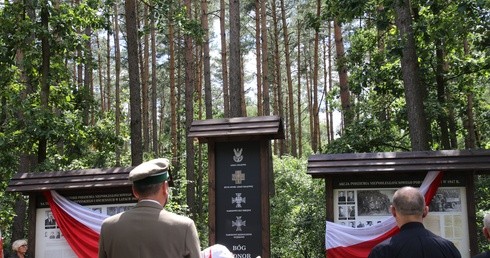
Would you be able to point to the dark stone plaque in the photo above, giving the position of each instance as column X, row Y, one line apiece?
column 238, row 207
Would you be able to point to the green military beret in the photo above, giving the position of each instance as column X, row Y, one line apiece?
column 150, row 172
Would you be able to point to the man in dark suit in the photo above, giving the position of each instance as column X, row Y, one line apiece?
column 341, row 197
column 413, row 240
column 49, row 222
column 486, row 233
column 148, row 230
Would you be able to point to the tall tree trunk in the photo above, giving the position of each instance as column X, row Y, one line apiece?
column 279, row 93
column 203, row 75
column 235, row 68
column 99, row 73
column 469, row 121
column 330, row 83
column 441, row 96
column 178, row 94
column 265, row 60
column 224, row 60
column 242, row 87
column 452, row 127
column 173, row 96
column 189, row 114
column 134, row 83
column 108, row 90
column 345, row 100
column 325, row 86
column 43, row 141
column 414, row 92
column 154, row 84
column 117, row 59
column 442, row 115
column 315, row 107
column 27, row 162
column 88, row 77
column 144, row 83
column 291, row 122
column 298, row 96
column 207, row 61
column 309, row 93
column 258, row 59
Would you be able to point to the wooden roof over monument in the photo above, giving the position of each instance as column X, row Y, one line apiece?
column 268, row 127
column 74, row 180
column 324, row 165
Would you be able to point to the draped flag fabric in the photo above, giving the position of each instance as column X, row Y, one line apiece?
column 80, row 226
column 343, row 241
column 1, row 245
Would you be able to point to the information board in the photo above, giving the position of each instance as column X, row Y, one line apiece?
column 238, row 198
column 365, row 207
column 50, row 242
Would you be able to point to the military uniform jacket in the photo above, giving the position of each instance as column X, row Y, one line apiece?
column 148, row 231
column 414, row 240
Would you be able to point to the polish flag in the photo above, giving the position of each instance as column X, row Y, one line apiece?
column 1, row 245
column 80, row 225
column 343, row 241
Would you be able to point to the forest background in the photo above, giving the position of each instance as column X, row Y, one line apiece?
column 89, row 83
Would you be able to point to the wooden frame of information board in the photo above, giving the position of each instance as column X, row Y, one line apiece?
column 102, row 186
column 460, row 166
column 237, row 148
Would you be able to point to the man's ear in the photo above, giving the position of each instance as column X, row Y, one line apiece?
column 136, row 195
column 393, row 210
column 165, row 186
column 426, row 211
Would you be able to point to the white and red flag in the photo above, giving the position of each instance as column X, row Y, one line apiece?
column 1, row 245
column 80, row 225
column 343, row 241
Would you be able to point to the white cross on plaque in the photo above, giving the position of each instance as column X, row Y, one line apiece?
column 238, row 177
column 238, row 200
column 238, row 223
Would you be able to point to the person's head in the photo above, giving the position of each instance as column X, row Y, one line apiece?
column 486, row 226
column 408, row 205
column 150, row 180
column 19, row 246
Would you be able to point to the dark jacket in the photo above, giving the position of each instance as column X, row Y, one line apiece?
column 415, row 241
column 483, row 255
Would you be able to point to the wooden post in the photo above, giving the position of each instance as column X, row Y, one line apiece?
column 240, row 169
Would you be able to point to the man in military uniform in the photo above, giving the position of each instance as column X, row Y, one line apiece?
column 148, row 230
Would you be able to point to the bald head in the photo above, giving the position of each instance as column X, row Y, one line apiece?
column 409, row 201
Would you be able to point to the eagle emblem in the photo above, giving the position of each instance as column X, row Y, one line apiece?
column 238, row 157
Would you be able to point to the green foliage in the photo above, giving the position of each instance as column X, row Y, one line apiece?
column 370, row 135
column 373, row 61
column 168, row 11
column 297, row 211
